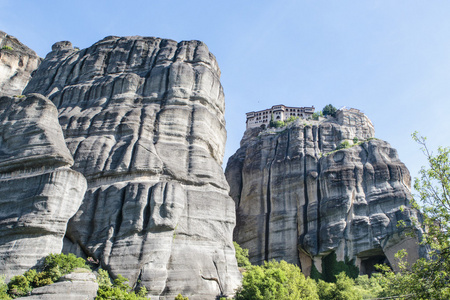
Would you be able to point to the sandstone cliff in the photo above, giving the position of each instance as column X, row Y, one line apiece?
column 144, row 121
column 298, row 199
column 17, row 62
column 40, row 193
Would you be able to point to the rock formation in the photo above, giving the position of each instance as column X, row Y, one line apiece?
column 144, row 121
column 17, row 62
column 40, row 193
column 299, row 198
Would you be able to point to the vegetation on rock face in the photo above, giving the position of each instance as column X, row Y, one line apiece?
column 241, row 256
column 316, row 115
column 55, row 266
column 278, row 124
column 344, row 145
column 7, row 48
column 180, row 297
column 119, row 289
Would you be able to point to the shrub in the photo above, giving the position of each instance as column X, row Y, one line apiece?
column 343, row 289
column 276, row 280
column 355, row 140
column 57, row 265
column 103, row 278
column 372, row 287
column 180, row 297
column 7, row 48
column 241, row 256
column 277, row 124
column 38, row 279
column 291, row 119
column 117, row 290
column 344, row 145
column 316, row 115
column 3, row 289
column 19, row 286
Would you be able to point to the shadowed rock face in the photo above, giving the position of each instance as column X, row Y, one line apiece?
column 298, row 200
column 17, row 62
column 144, row 121
column 39, row 191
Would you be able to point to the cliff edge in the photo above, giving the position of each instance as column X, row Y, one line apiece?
column 317, row 187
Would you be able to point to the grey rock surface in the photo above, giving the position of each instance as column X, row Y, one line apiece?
column 144, row 120
column 40, row 193
column 78, row 285
column 299, row 199
column 17, row 62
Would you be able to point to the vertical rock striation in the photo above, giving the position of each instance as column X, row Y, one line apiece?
column 40, row 193
column 144, row 120
column 17, row 62
column 298, row 199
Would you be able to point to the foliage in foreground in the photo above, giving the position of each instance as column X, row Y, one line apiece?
column 276, row 280
column 281, row 280
column 331, row 268
column 342, row 289
column 428, row 278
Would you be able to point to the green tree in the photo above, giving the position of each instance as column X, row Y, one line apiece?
column 343, row 289
column 372, row 287
column 57, row 265
column 428, row 278
column 180, row 297
column 276, row 280
column 329, row 110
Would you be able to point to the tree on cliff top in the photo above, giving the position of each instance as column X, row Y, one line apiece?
column 329, row 110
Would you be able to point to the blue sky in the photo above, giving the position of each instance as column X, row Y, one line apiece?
column 391, row 58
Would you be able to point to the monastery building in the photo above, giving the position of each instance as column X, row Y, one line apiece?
column 279, row 112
